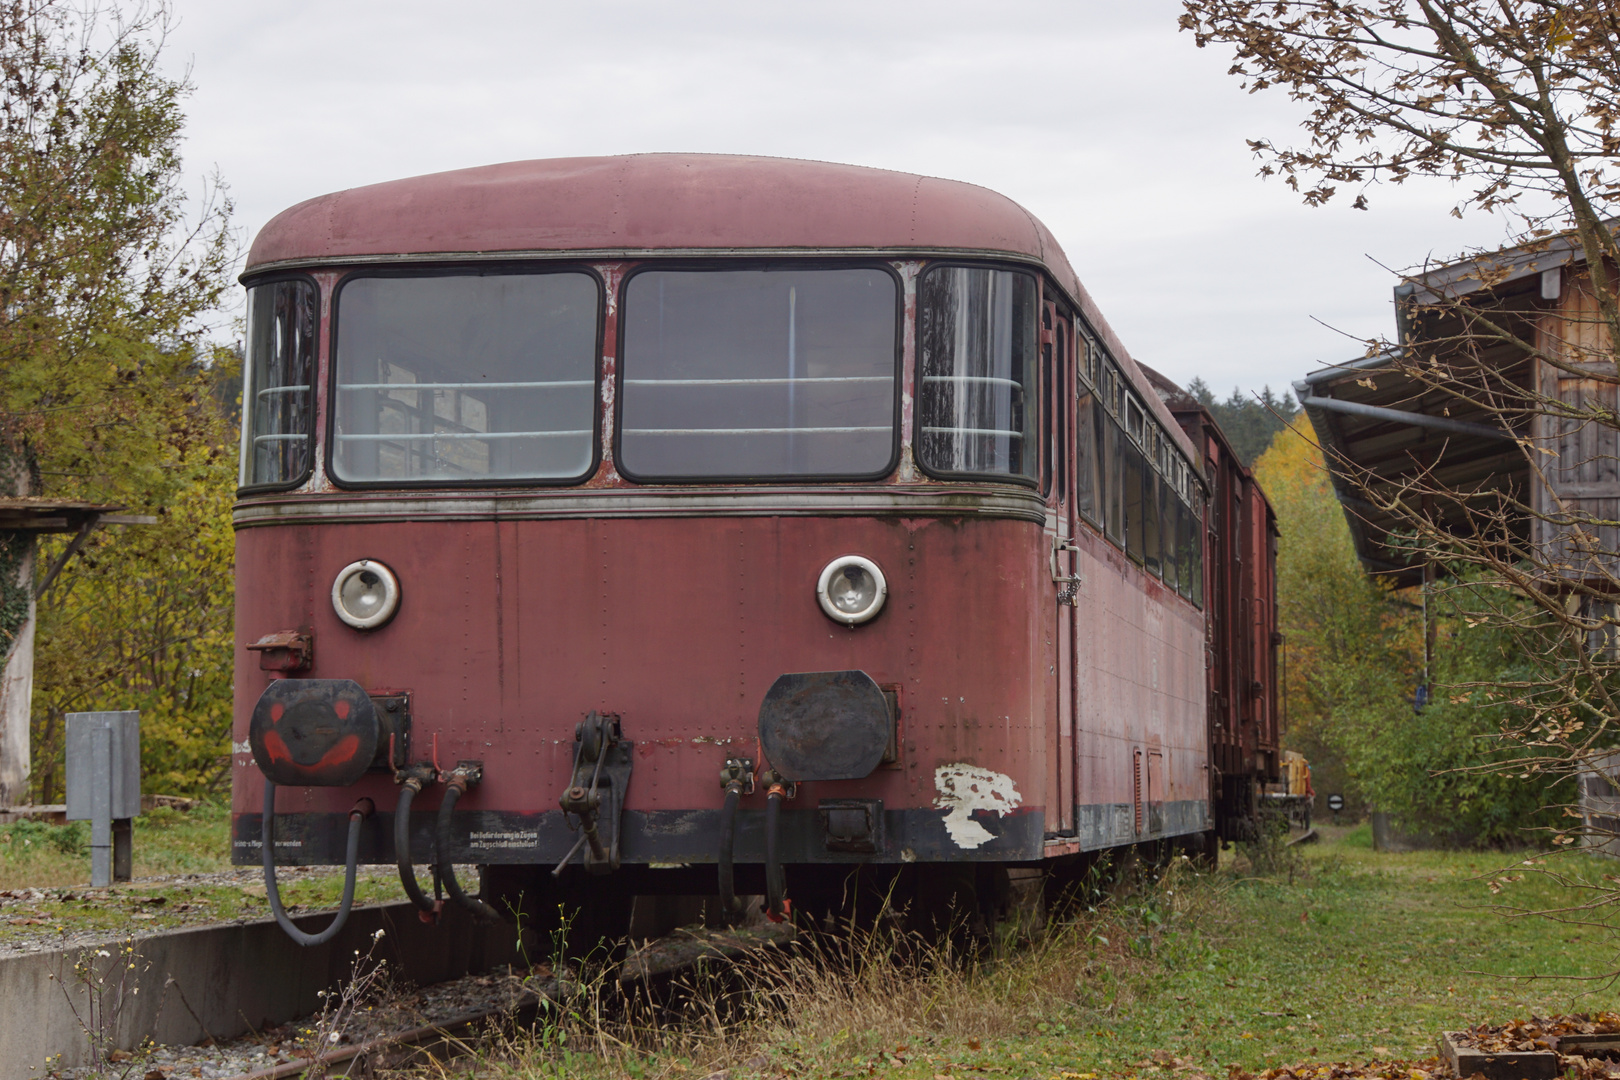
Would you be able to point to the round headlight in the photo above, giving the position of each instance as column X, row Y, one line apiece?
column 851, row 589
column 365, row 594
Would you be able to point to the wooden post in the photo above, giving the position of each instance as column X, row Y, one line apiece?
column 17, row 686
column 1429, row 578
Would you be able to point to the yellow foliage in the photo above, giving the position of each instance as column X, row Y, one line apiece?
column 143, row 618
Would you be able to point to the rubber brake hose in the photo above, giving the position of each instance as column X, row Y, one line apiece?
column 728, row 838
column 775, row 879
column 402, row 850
column 447, row 873
column 351, row 862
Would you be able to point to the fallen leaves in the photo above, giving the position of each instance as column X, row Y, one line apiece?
column 1537, row 1033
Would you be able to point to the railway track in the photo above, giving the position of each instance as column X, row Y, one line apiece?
column 293, row 1049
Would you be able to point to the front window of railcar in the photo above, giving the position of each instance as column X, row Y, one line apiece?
column 277, row 402
column 977, row 343
column 466, row 378
column 758, row 374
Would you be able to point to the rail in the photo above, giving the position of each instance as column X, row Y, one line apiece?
column 544, row 384
column 987, row 380
column 763, row 382
column 405, row 436
column 756, row 431
column 972, row 431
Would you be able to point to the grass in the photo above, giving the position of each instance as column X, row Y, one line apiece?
column 1344, row 954
column 166, row 842
column 37, row 854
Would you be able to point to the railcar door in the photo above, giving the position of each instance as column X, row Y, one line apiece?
column 1057, row 361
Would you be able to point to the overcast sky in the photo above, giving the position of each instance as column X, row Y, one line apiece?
column 1097, row 115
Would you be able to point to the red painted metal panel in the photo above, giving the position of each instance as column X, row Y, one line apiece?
column 509, row 632
column 1141, row 678
column 651, row 202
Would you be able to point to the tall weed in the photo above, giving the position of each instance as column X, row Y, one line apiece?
column 870, row 995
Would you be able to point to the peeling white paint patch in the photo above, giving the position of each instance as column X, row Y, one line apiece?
column 965, row 788
column 243, row 747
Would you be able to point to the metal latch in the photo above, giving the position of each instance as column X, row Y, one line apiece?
column 1071, row 581
column 286, row 651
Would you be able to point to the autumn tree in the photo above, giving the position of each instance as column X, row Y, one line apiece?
column 110, row 267
column 1355, row 666
column 1514, row 103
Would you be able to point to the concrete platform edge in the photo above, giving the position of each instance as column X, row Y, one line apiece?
column 226, row 980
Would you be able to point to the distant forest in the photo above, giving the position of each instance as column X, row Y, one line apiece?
column 1250, row 421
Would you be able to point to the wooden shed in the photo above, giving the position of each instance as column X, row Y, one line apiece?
column 23, row 519
column 1495, row 450
column 1532, row 453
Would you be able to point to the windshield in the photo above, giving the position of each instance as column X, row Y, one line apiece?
column 276, row 404
column 468, row 377
column 977, row 342
column 758, row 373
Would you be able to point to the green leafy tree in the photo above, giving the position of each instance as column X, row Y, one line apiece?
column 1355, row 662
column 1352, row 655
column 107, row 381
column 104, row 285
column 145, row 622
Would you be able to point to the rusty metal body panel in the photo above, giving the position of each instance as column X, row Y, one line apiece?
column 1244, row 687
column 509, row 631
column 1141, row 676
column 675, row 607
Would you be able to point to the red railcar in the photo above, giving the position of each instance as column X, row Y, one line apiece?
column 1244, row 639
column 607, row 521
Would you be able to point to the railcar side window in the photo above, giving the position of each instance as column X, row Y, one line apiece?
column 1197, row 552
column 1186, row 554
column 977, row 347
column 1061, row 398
column 277, row 403
column 1138, row 478
column 1114, row 486
column 466, row 377
column 1152, row 517
column 1170, row 532
column 758, row 373
column 1089, row 424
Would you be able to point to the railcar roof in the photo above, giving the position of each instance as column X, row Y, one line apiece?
column 656, row 202
column 644, row 203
